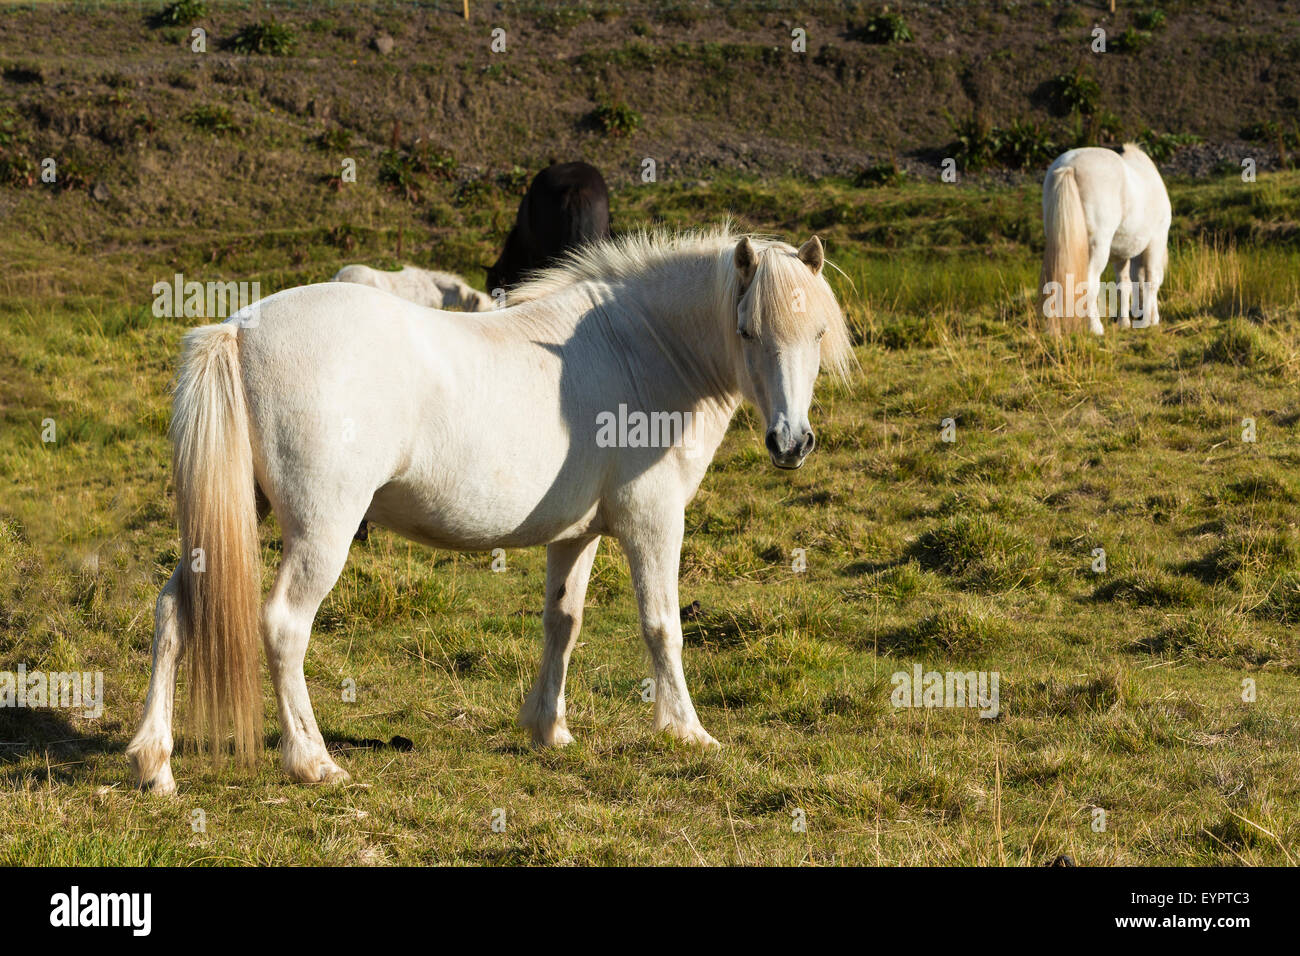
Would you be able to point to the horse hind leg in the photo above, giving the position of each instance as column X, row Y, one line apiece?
column 151, row 749
column 308, row 571
column 1154, row 259
column 568, row 569
column 1098, row 256
column 1123, row 278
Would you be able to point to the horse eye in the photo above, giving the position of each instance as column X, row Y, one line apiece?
column 820, row 334
column 747, row 335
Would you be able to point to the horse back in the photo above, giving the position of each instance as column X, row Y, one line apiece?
column 566, row 206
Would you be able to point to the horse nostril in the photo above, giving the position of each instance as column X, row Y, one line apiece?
column 809, row 442
column 773, row 445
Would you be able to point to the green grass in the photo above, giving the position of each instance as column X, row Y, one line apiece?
column 1120, row 690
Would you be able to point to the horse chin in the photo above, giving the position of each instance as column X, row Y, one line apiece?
column 787, row 465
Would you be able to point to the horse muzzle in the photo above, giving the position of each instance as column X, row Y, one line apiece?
column 788, row 451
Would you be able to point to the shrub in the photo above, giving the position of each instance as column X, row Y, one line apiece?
column 1074, row 93
column 1162, row 146
column 884, row 28
column 213, row 119
column 471, row 192
column 881, row 174
column 401, row 170
column 979, row 144
column 1132, row 40
column 270, row 38
column 179, row 14
column 1025, row 145
column 616, row 119
column 334, row 140
column 976, row 144
column 16, row 170
column 1271, row 132
column 1150, row 19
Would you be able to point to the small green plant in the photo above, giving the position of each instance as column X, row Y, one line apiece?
column 515, row 181
column 1162, row 146
column 885, row 28
column 1149, row 19
column 1132, row 40
column 269, row 37
column 398, row 172
column 16, row 168
column 1025, row 145
column 179, row 14
column 10, row 133
column 471, row 192
column 1069, row 18
column 1272, row 132
column 211, row 119
column 616, row 119
column 334, row 140
column 402, row 171
column 880, row 174
column 976, row 143
column 1074, row 93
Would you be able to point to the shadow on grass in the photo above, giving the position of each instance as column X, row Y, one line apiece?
column 52, row 736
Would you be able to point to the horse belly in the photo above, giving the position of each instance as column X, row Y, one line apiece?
column 479, row 517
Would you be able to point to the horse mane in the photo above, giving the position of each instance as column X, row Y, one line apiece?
column 1133, row 150
column 780, row 273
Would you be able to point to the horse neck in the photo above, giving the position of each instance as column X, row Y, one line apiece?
column 677, row 333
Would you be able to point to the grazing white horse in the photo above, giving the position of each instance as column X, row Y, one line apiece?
column 437, row 290
column 466, row 432
column 1100, row 206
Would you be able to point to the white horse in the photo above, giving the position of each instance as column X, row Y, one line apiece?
column 1100, row 206
column 437, row 290
column 461, row 431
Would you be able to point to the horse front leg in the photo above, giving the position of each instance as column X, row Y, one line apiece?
column 568, row 569
column 654, row 555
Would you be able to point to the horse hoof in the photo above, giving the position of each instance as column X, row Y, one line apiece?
column 559, row 737
column 324, row 771
column 698, row 737
column 334, row 775
column 163, row 784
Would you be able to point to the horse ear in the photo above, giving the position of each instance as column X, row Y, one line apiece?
column 811, row 255
column 746, row 261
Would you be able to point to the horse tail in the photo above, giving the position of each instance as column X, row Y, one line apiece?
column 1065, row 260
column 220, row 582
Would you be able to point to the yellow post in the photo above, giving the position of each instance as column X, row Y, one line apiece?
column 467, row 8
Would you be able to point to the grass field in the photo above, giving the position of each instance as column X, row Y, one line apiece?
column 1120, row 690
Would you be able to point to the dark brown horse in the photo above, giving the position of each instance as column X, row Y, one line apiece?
column 566, row 206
